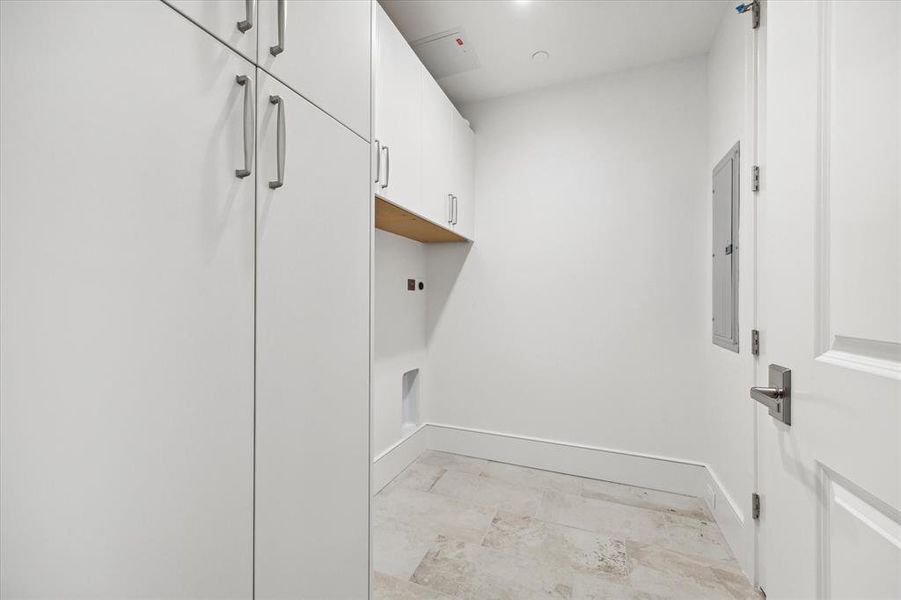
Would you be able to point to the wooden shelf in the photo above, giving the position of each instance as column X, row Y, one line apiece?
column 394, row 219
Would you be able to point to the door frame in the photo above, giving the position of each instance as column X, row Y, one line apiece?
column 757, row 153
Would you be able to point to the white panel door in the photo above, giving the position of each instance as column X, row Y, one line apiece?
column 398, row 117
column 324, row 54
column 232, row 21
column 464, row 184
column 126, row 301
column 312, row 419
column 830, row 300
column 438, row 166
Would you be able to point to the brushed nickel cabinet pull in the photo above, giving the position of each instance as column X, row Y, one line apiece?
column 246, row 24
column 280, row 142
column 247, row 82
column 280, row 46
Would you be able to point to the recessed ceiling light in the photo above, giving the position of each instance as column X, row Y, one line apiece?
column 540, row 56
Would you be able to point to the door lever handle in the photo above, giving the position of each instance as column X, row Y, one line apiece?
column 777, row 396
column 767, row 395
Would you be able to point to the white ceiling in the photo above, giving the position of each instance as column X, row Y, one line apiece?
column 584, row 38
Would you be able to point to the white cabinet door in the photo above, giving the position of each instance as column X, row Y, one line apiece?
column 463, row 186
column 232, row 21
column 324, row 53
column 312, row 419
column 398, row 117
column 126, row 300
column 438, row 160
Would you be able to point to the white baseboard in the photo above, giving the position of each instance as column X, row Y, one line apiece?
column 645, row 470
column 735, row 523
column 657, row 472
column 390, row 463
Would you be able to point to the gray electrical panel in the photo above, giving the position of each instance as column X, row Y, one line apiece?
column 725, row 250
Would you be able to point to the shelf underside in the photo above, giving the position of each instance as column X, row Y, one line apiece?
column 394, row 219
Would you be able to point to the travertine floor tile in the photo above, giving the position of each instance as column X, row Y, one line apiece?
column 558, row 546
column 645, row 498
column 534, row 478
column 458, row 527
column 418, row 476
column 696, row 537
column 489, row 492
column 474, row 572
column 660, row 571
column 453, row 462
column 586, row 587
column 398, row 547
column 386, row 587
column 731, row 578
column 433, row 513
column 611, row 518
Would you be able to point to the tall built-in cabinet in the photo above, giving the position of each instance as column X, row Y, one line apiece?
column 184, row 299
column 312, row 419
column 424, row 147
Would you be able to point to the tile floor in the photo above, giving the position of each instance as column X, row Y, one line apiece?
column 451, row 526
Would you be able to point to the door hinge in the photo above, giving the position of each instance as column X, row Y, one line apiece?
column 754, row 7
column 755, row 506
column 755, row 178
column 755, row 342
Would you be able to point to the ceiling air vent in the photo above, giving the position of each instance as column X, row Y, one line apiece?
column 446, row 53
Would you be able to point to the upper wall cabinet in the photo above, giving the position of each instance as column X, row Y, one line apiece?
column 424, row 147
column 398, row 118
column 232, row 21
column 463, row 185
column 321, row 49
column 438, row 151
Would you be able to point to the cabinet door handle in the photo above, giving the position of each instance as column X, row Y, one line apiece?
column 280, row 142
column 387, row 167
column 455, row 210
column 280, row 46
column 450, row 209
column 247, row 82
column 247, row 23
column 378, row 161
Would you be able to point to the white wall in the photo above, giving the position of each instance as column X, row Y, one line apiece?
column 729, row 412
column 399, row 341
column 580, row 313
